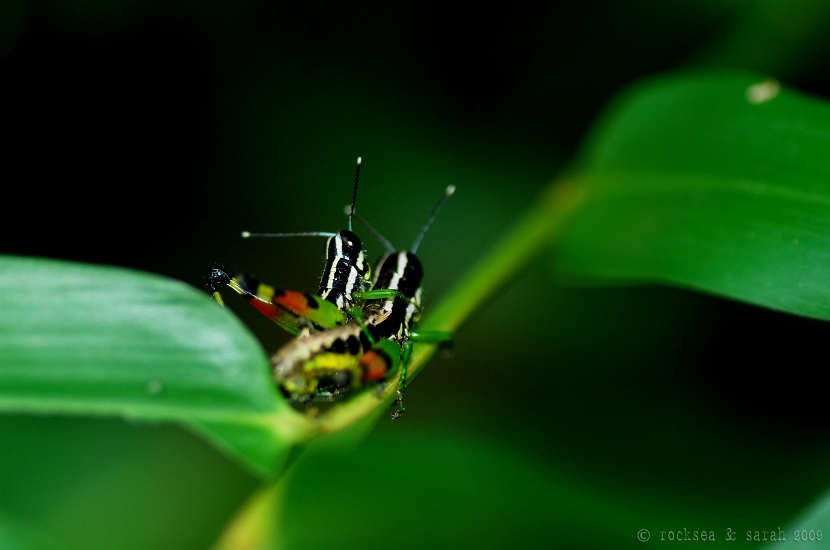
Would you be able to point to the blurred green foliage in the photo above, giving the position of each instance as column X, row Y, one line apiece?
column 714, row 182
column 148, row 134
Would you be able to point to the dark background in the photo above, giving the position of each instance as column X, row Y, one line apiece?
column 149, row 134
column 146, row 133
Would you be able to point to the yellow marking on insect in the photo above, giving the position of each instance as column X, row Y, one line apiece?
column 331, row 362
column 265, row 292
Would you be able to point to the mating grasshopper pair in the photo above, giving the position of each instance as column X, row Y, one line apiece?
column 358, row 329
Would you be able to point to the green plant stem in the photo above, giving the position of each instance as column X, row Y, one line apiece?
column 253, row 527
column 531, row 235
column 256, row 527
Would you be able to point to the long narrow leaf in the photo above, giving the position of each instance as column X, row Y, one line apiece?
column 718, row 183
column 90, row 340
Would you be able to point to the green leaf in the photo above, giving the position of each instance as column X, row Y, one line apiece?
column 103, row 483
column 719, row 183
column 467, row 491
column 15, row 536
column 88, row 340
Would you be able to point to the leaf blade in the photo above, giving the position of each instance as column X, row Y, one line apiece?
column 691, row 182
column 106, row 341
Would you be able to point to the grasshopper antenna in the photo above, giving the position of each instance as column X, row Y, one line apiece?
column 450, row 190
column 386, row 244
column 354, row 191
column 247, row 234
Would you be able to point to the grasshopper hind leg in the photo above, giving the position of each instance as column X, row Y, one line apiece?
column 435, row 337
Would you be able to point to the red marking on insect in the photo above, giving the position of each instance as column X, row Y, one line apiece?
column 375, row 366
column 268, row 309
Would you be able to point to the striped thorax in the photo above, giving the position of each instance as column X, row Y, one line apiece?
column 346, row 274
column 393, row 317
column 346, row 271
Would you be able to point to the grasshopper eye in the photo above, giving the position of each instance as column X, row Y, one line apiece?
column 351, row 242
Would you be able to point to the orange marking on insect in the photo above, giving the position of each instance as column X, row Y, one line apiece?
column 375, row 365
column 293, row 300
